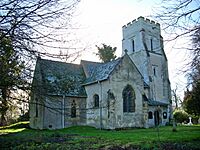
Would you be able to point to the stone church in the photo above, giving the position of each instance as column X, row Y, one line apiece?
column 131, row 91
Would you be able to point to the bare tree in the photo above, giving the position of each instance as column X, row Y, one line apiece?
column 37, row 28
column 179, row 18
column 175, row 98
column 181, row 21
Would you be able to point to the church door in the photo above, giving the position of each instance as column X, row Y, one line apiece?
column 156, row 118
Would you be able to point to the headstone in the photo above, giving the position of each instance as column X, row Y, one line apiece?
column 190, row 121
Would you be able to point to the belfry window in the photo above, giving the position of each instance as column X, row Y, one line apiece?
column 133, row 45
column 151, row 44
column 128, row 95
column 96, row 101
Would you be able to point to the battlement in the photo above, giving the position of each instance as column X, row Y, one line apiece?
column 142, row 19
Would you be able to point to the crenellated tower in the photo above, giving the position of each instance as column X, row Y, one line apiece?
column 144, row 43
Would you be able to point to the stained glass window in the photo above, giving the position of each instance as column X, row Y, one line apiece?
column 128, row 99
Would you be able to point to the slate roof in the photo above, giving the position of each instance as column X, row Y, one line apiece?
column 156, row 103
column 153, row 102
column 99, row 71
column 62, row 78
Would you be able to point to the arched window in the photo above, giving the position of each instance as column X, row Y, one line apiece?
column 73, row 109
column 150, row 115
column 128, row 95
column 96, row 101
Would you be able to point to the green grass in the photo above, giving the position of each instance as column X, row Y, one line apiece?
column 19, row 136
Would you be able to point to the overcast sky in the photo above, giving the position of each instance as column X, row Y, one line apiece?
column 101, row 21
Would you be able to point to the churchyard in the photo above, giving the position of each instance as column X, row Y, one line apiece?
column 20, row 136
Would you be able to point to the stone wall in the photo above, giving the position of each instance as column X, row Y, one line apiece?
column 61, row 115
column 113, row 116
column 52, row 114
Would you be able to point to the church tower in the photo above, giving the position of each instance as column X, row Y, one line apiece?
column 144, row 44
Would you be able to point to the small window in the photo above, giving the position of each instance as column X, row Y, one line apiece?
column 73, row 109
column 96, row 101
column 36, row 107
column 133, row 45
column 164, row 115
column 150, row 115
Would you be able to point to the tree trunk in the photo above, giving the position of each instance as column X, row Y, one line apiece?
column 4, row 106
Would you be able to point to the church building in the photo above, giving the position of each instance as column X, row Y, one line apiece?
column 131, row 91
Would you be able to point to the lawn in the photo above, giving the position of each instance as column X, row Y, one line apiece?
column 19, row 136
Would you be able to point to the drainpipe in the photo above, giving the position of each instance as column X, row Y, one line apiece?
column 100, row 105
column 63, row 111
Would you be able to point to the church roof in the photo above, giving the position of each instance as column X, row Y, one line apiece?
column 98, row 71
column 156, row 103
column 62, row 78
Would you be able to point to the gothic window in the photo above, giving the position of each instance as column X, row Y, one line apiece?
column 151, row 44
column 128, row 95
column 36, row 107
column 73, row 109
column 133, row 45
column 150, row 115
column 96, row 101
column 164, row 115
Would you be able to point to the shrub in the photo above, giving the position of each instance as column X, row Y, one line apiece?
column 24, row 117
column 195, row 119
column 180, row 116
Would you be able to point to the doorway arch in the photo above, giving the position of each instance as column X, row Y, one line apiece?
column 156, row 118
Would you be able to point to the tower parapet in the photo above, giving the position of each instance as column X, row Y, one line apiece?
column 144, row 20
column 141, row 34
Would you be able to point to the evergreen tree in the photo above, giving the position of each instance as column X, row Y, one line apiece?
column 10, row 75
column 192, row 98
column 106, row 53
column 191, row 102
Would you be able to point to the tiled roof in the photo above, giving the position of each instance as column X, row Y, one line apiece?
column 62, row 78
column 98, row 71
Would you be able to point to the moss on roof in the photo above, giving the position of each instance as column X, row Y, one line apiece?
column 60, row 78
